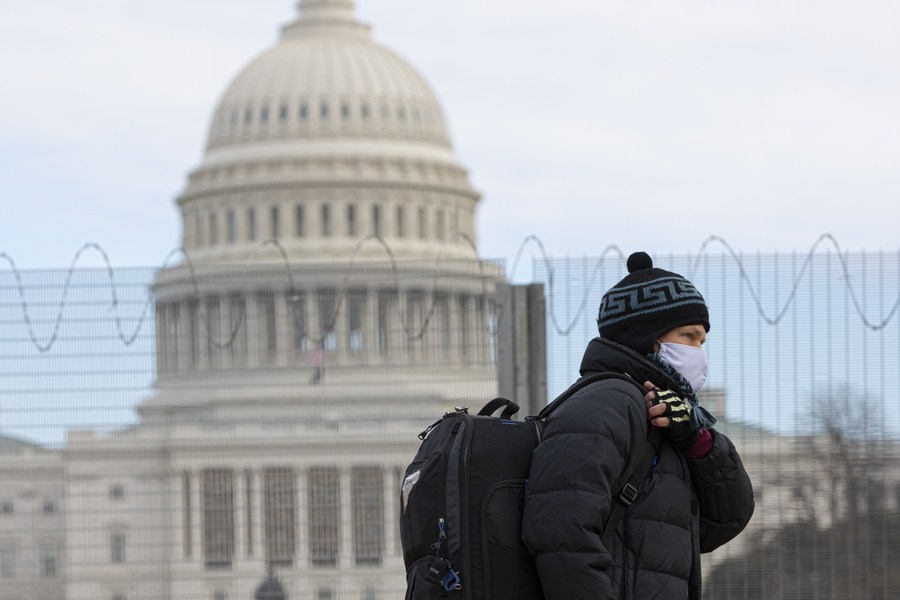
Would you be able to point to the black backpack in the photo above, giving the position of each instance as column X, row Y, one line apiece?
column 462, row 497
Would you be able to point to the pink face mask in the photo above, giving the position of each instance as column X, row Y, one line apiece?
column 690, row 361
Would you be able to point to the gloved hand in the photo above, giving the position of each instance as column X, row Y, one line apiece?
column 680, row 431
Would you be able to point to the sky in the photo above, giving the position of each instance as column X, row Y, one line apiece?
column 647, row 124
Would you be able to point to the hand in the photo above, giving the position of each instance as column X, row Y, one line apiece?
column 671, row 413
column 655, row 410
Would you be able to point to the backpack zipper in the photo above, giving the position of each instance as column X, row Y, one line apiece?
column 464, row 540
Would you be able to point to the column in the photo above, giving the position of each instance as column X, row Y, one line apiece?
column 257, row 514
column 283, row 330
column 240, row 520
column 456, row 324
column 196, row 313
column 183, row 517
column 402, row 327
column 161, row 343
column 370, row 324
column 184, row 340
column 196, row 516
column 251, row 319
column 302, row 517
column 391, row 511
column 478, row 330
column 340, row 326
column 346, row 551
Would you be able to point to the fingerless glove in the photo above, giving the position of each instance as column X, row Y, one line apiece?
column 680, row 432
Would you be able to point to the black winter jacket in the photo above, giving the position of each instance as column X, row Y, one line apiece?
column 684, row 507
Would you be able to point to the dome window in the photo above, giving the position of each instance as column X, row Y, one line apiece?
column 283, row 113
column 116, row 491
column 264, row 115
column 376, row 219
column 304, row 112
column 345, row 111
column 323, row 110
column 251, row 224
column 401, row 113
column 275, row 223
column 248, row 116
column 385, row 113
column 420, row 224
column 326, row 220
column 351, row 220
column 400, row 219
column 364, row 111
column 299, row 221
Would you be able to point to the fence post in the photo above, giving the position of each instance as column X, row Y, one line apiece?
column 522, row 346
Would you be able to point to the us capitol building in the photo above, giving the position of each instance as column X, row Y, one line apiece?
column 291, row 377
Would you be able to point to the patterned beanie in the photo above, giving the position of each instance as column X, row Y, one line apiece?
column 648, row 303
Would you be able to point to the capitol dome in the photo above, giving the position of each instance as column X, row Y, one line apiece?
column 327, row 79
column 323, row 139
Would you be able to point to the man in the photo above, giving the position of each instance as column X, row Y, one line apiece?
column 697, row 495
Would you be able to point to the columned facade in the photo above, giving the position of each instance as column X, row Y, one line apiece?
column 329, row 305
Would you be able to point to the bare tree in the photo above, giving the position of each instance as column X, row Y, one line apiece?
column 843, row 544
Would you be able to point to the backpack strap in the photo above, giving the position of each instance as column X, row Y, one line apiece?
column 581, row 383
column 639, row 463
column 509, row 408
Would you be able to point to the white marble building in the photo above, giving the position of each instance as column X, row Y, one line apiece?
column 290, row 387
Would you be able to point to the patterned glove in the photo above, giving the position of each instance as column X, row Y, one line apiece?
column 680, row 432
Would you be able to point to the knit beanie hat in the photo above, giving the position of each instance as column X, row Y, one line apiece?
column 647, row 303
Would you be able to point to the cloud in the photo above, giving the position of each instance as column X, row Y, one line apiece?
column 648, row 123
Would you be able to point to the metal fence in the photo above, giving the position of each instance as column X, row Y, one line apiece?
column 206, row 434
column 804, row 352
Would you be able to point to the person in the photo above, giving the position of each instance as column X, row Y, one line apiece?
column 697, row 495
column 317, row 362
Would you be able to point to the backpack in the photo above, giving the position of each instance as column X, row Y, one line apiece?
column 462, row 497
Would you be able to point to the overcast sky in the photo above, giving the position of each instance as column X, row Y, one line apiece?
column 648, row 124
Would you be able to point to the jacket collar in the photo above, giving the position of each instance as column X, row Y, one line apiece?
column 605, row 355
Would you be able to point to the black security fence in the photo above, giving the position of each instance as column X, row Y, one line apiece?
column 804, row 353
column 218, row 432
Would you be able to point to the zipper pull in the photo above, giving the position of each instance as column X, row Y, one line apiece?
column 442, row 535
column 428, row 429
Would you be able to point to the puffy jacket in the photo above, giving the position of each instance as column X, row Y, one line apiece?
column 684, row 507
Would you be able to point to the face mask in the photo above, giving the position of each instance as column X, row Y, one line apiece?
column 690, row 361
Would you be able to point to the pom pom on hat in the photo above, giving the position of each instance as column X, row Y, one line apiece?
column 639, row 261
column 647, row 303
